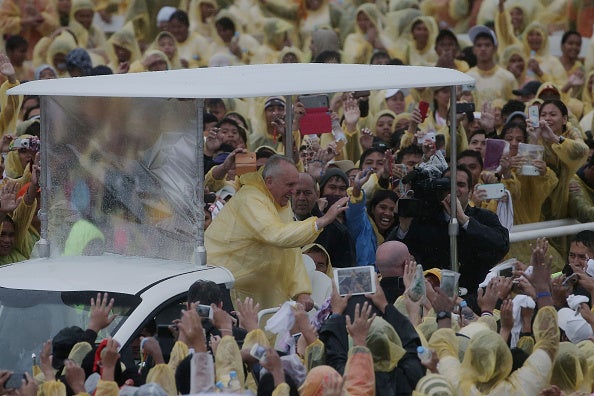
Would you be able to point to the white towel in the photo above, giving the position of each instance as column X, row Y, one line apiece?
column 520, row 301
column 505, row 211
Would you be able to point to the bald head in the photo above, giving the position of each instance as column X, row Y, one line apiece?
column 390, row 258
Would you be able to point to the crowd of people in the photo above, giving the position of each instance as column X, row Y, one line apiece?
column 367, row 185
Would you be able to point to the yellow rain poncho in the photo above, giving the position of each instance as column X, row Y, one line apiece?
column 256, row 239
column 248, row 44
column 425, row 56
column 487, row 363
column 12, row 12
column 570, row 369
column 586, row 348
column 91, row 38
column 10, row 105
column 290, row 50
column 275, row 30
column 503, row 25
column 149, row 58
column 124, row 38
column 163, row 375
column 227, row 359
column 205, row 28
column 174, row 60
column 505, row 57
column 454, row 14
column 587, row 97
column 356, row 47
column 47, row 49
column 550, row 65
column 385, row 345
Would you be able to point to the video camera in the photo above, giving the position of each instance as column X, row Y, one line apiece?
column 428, row 194
column 429, row 189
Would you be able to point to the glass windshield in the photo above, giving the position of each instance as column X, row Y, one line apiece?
column 28, row 318
column 126, row 185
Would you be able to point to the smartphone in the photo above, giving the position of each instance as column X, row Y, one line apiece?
column 245, row 163
column 423, row 108
column 258, row 351
column 15, row 381
column 494, row 191
column 533, row 116
column 204, row 311
column 355, row 280
column 571, row 280
column 464, row 107
column 315, row 101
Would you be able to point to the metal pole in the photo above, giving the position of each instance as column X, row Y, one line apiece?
column 199, row 256
column 453, row 225
column 43, row 243
column 289, row 126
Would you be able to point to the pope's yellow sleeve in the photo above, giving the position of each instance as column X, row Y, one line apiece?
column 215, row 185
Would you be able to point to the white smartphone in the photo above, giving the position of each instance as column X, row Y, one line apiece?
column 355, row 280
column 494, row 191
column 204, row 311
column 533, row 116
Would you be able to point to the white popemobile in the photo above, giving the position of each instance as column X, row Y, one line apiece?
column 120, row 152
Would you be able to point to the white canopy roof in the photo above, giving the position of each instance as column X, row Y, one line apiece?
column 248, row 81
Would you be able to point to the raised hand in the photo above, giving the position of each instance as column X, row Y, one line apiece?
column 358, row 328
column 8, row 196
column 247, row 313
column 100, row 316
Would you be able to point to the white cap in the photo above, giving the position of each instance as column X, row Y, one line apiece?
column 394, row 91
column 165, row 13
column 476, row 30
column 575, row 326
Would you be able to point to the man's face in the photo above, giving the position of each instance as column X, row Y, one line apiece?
column 7, row 238
column 462, row 187
column 273, row 112
column 320, row 259
column 283, row 183
column 473, row 166
column 411, row 160
column 335, row 186
column 478, row 143
column 483, row 49
column 374, row 160
column 178, row 29
column 579, row 255
column 230, row 135
column 305, row 197
column 446, row 45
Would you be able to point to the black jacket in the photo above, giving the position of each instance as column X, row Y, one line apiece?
column 482, row 245
column 400, row 381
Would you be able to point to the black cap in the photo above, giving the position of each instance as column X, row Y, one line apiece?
column 63, row 342
column 530, row 88
column 333, row 172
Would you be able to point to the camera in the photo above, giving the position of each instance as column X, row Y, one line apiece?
column 30, row 143
column 428, row 194
column 204, row 311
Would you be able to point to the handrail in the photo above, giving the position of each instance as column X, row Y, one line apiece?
column 548, row 229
